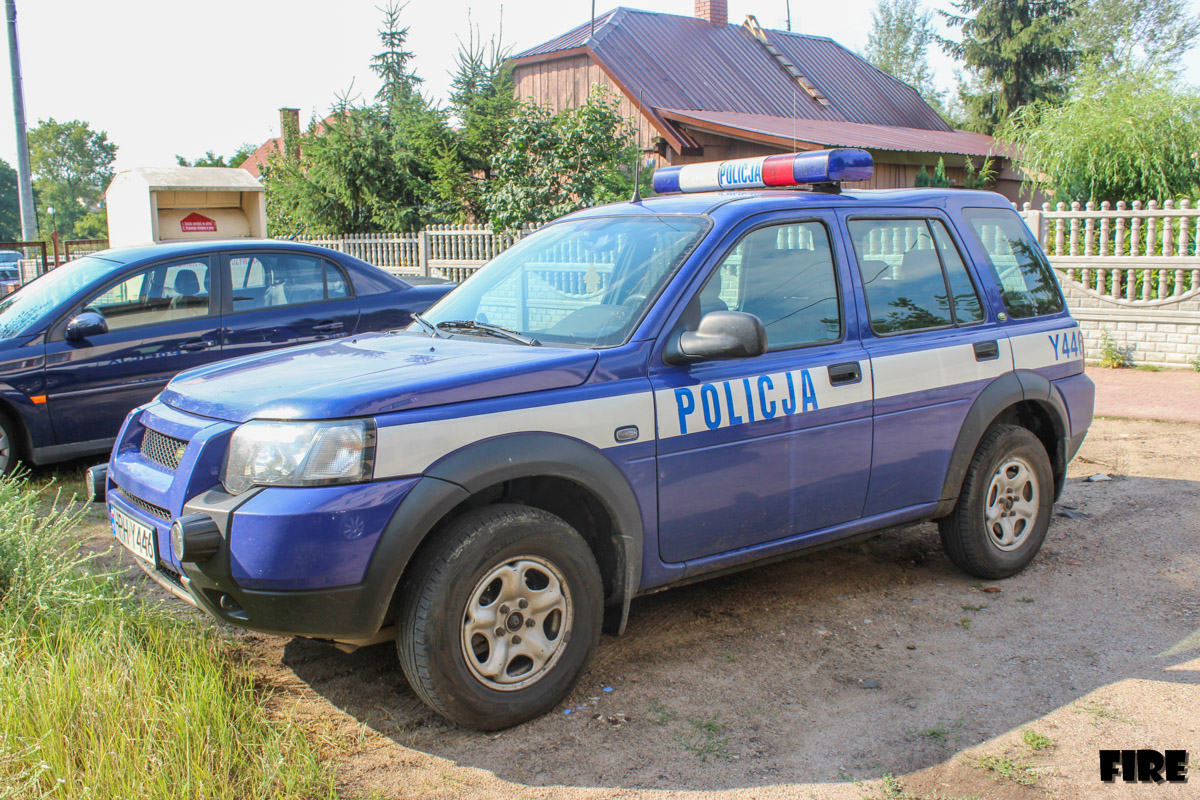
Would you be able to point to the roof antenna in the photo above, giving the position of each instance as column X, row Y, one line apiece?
column 637, row 155
column 793, row 119
column 593, row 33
column 788, row 3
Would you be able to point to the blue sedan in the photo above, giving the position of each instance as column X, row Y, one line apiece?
column 87, row 342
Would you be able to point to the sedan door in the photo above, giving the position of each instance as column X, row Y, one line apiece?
column 161, row 320
column 279, row 298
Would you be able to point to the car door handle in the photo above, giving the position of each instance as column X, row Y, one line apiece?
column 327, row 327
column 842, row 374
column 986, row 351
column 194, row 347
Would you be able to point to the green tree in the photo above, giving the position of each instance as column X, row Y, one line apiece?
column 1135, row 137
column 72, row 166
column 1137, row 34
column 10, row 211
column 553, row 164
column 482, row 102
column 1019, row 52
column 210, row 159
column 368, row 168
column 901, row 32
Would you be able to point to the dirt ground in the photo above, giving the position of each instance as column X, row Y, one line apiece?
column 815, row 677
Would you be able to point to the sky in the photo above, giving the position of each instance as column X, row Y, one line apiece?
column 166, row 77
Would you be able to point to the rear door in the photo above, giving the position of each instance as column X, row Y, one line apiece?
column 933, row 344
column 755, row 450
column 279, row 298
column 161, row 320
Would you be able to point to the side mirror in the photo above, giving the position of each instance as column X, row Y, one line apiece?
column 85, row 326
column 720, row 335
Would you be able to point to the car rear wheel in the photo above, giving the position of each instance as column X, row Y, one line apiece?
column 1003, row 511
column 500, row 616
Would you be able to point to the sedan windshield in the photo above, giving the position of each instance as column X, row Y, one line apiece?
column 585, row 282
column 20, row 310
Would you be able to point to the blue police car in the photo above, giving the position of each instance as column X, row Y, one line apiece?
column 86, row 342
column 636, row 395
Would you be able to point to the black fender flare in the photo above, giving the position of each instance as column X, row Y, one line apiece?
column 1002, row 393
column 528, row 455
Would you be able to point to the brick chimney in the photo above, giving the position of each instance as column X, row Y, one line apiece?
column 289, row 131
column 714, row 11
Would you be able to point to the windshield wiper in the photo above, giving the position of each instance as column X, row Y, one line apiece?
column 486, row 327
column 426, row 325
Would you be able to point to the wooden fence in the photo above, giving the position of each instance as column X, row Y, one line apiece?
column 453, row 252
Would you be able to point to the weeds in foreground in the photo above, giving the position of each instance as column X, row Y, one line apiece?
column 1111, row 355
column 1100, row 710
column 1195, row 363
column 1034, row 740
column 1001, row 767
column 104, row 696
column 658, row 712
column 704, row 738
column 893, row 789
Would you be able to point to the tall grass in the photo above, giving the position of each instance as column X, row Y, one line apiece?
column 104, row 696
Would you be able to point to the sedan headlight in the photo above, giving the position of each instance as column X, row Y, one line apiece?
column 263, row 453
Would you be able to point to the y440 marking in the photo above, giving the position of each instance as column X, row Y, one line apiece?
column 1066, row 344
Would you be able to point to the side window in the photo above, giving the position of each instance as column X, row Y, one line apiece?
column 162, row 293
column 1026, row 281
column 269, row 280
column 967, row 307
column 910, row 271
column 784, row 275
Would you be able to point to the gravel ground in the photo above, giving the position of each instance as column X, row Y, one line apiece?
column 817, row 676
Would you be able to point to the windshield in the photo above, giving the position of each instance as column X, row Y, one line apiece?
column 585, row 282
column 21, row 309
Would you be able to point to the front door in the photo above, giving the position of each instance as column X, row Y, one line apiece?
column 161, row 320
column 760, row 449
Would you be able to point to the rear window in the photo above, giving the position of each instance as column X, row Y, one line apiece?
column 1026, row 280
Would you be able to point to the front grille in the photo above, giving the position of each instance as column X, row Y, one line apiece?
column 162, row 449
column 149, row 508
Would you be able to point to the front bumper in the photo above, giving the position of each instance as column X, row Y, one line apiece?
column 294, row 561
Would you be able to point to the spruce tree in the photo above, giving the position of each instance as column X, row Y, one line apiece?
column 1019, row 51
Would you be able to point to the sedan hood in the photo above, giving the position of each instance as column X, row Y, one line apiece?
column 372, row 374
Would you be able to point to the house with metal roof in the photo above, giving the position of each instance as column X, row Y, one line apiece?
column 701, row 89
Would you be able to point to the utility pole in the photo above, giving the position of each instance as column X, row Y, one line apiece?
column 24, row 184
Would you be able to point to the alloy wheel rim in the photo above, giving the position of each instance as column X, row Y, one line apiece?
column 516, row 624
column 1011, row 507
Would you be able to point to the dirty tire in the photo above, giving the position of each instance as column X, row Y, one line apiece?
column 496, row 556
column 982, row 535
column 9, row 454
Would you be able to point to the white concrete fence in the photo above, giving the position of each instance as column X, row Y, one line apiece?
column 1132, row 271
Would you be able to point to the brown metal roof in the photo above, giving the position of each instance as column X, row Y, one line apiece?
column 689, row 64
column 836, row 133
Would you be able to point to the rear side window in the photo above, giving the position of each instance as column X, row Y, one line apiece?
column 913, row 275
column 1026, row 281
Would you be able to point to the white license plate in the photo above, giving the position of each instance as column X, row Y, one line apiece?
column 137, row 538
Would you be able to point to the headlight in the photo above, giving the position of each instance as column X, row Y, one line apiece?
column 265, row 453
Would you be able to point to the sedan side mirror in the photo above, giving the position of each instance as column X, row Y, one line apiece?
column 720, row 335
column 85, row 326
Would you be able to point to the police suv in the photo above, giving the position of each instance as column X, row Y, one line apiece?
column 634, row 396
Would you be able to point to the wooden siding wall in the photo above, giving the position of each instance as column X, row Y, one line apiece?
column 566, row 83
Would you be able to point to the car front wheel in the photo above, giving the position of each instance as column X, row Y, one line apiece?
column 1003, row 511
column 501, row 616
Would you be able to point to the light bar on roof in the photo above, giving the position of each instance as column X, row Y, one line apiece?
column 793, row 169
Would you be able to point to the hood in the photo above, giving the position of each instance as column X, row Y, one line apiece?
column 372, row 374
